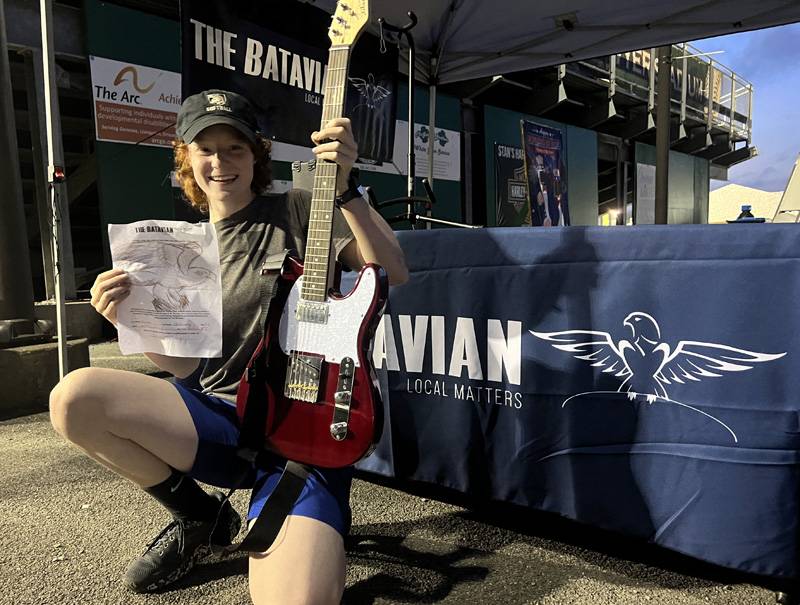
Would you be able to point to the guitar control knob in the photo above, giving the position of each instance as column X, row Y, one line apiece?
column 339, row 430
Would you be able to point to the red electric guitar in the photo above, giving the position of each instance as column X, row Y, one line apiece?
column 312, row 367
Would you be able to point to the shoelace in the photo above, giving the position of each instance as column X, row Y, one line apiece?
column 163, row 540
column 178, row 526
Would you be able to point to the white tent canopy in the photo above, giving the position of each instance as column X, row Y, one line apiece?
column 465, row 39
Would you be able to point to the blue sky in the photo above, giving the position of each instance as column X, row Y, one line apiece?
column 770, row 60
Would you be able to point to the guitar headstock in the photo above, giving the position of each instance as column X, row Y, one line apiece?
column 350, row 18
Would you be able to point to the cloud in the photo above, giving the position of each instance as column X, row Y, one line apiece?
column 758, row 54
column 762, row 173
column 770, row 60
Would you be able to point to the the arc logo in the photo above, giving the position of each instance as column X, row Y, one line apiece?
column 122, row 76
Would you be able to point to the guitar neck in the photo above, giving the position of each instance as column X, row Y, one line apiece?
column 318, row 263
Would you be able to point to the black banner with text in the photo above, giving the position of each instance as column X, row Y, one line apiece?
column 278, row 63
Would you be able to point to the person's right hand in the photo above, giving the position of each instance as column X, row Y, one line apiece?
column 108, row 290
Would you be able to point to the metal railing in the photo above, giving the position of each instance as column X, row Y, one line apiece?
column 704, row 90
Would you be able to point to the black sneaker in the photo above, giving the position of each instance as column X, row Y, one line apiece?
column 178, row 547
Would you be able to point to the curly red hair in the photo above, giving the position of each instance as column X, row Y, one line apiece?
column 262, row 171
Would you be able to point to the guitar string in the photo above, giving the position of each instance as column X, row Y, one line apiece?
column 309, row 339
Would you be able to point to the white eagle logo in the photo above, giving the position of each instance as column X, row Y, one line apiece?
column 373, row 94
column 646, row 364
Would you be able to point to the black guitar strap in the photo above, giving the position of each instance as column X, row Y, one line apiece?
column 254, row 419
column 268, row 524
column 251, row 436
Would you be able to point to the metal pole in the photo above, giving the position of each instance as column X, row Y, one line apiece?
column 662, row 134
column 733, row 105
column 55, row 179
column 627, row 219
column 710, row 91
column 684, row 86
column 651, row 89
column 432, row 126
column 16, row 282
column 468, row 128
column 749, row 114
column 619, row 194
column 412, row 57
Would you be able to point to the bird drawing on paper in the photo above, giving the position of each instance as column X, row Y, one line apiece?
column 169, row 268
column 648, row 365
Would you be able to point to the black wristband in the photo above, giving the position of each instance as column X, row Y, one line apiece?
column 351, row 193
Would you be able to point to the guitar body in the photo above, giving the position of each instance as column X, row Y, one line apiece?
column 309, row 393
column 323, row 405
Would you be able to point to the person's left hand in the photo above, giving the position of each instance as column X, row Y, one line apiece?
column 335, row 143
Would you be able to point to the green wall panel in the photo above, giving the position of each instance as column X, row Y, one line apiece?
column 687, row 183
column 135, row 188
column 123, row 34
column 133, row 180
column 701, row 186
column 582, row 175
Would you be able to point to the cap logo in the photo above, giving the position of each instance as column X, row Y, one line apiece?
column 217, row 98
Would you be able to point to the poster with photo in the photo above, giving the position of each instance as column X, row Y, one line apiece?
column 546, row 175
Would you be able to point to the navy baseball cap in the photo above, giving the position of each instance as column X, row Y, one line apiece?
column 211, row 107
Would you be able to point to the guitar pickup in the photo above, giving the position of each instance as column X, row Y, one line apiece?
column 312, row 312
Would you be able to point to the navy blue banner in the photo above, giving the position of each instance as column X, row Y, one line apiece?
column 641, row 379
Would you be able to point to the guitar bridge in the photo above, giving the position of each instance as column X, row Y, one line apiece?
column 302, row 377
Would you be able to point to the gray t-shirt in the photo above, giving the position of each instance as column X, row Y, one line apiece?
column 267, row 226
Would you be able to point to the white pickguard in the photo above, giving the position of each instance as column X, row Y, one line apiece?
column 338, row 337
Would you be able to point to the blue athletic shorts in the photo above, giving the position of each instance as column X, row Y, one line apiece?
column 325, row 497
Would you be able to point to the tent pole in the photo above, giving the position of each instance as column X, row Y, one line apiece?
column 431, row 126
column 55, row 178
column 663, row 102
column 412, row 158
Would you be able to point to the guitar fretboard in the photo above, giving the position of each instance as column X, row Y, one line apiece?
column 318, row 262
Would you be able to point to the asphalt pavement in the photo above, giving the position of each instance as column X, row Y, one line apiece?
column 69, row 527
